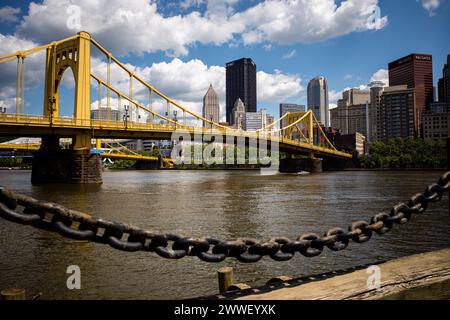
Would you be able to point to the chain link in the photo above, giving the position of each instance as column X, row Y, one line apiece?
column 77, row 225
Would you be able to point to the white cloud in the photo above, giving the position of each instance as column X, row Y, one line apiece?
column 137, row 27
column 187, row 81
column 308, row 21
column 381, row 75
column 184, row 81
column 186, row 4
column 140, row 27
column 9, row 14
column 267, row 47
column 34, row 68
column 431, row 6
column 290, row 55
column 9, row 104
column 348, row 77
column 276, row 87
column 334, row 96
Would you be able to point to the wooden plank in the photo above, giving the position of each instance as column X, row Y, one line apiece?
column 422, row 276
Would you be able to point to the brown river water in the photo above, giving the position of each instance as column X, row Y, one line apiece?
column 224, row 204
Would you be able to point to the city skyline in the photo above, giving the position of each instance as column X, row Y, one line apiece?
column 349, row 58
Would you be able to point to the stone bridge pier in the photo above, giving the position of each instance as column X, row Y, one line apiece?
column 51, row 164
column 294, row 165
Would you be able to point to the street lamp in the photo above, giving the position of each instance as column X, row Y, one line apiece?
column 175, row 113
column 126, row 116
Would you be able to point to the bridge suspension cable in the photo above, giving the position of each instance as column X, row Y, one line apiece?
column 100, row 81
column 153, row 89
column 274, row 123
column 26, row 53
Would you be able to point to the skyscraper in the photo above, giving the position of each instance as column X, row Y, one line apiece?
column 240, row 84
column 415, row 71
column 376, row 90
column 257, row 120
column 211, row 108
column 447, row 80
column 318, row 99
column 441, row 90
column 238, row 115
column 351, row 115
column 397, row 113
column 290, row 107
column 444, row 84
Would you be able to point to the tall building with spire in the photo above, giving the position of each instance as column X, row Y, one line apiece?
column 238, row 114
column 211, row 107
column 318, row 99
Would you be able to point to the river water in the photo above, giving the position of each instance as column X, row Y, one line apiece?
column 224, row 204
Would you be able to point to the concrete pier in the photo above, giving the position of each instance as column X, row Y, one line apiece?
column 294, row 165
column 51, row 164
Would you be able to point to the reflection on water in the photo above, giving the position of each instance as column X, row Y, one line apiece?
column 225, row 204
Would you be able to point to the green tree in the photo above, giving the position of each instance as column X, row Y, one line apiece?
column 410, row 153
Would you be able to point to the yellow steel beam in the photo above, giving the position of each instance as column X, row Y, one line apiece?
column 292, row 124
column 323, row 133
column 275, row 122
column 128, row 157
column 11, row 56
column 133, row 101
column 159, row 93
column 20, row 147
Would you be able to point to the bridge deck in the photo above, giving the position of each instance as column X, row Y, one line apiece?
column 11, row 124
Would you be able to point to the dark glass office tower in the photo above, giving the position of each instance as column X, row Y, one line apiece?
column 444, row 83
column 415, row 71
column 241, row 83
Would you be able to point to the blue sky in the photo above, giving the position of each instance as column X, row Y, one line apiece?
column 182, row 46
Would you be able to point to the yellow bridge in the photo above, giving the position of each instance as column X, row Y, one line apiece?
column 110, row 152
column 302, row 135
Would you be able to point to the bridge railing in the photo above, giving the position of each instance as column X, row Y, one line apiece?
column 70, row 121
column 102, row 124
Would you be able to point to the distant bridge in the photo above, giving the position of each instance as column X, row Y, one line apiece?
column 108, row 153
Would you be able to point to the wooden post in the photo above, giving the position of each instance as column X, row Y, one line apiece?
column 225, row 275
column 12, row 294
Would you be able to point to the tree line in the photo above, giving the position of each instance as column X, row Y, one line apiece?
column 410, row 153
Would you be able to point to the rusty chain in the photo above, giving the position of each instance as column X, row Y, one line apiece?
column 77, row 225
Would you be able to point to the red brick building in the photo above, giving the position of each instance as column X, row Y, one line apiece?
column 415, row 71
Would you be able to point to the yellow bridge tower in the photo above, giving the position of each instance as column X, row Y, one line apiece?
column 75, row 54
